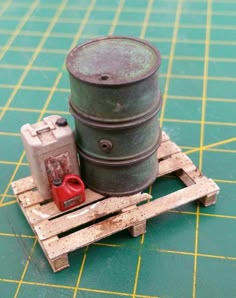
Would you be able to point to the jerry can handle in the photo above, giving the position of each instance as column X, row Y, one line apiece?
column 75, row 177
column 48, row 126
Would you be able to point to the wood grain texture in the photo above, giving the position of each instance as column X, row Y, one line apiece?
column 49, row 228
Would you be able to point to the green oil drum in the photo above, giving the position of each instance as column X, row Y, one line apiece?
column 115, row 100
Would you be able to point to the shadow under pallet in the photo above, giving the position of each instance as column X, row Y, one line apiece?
column 59, row 233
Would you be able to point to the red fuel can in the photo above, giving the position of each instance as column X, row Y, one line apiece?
column 69, row 192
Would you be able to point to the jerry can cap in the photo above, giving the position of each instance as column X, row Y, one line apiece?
column 57, row 181
column 61, row 122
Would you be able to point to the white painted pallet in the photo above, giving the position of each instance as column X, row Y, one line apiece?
column 49, row 224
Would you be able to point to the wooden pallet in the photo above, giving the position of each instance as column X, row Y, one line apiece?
column 56, row 231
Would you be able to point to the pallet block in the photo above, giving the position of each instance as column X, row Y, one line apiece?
column 59, row 233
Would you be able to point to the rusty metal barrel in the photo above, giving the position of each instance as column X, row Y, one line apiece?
column 115, row 100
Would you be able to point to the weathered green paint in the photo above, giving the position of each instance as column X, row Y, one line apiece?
column 115, row 101
column 123, row 60
column 128, row 140
column 119, row 179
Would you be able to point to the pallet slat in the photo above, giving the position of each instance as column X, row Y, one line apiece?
column 23, row 185
column 166, row 149
column 164, row 137
column 49, row 228
column 30, row 198
column 37, row 213
column 120, row 222
column 173, row 164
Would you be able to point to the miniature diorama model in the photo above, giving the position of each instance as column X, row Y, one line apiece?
column 115, row 100
column 116, row 151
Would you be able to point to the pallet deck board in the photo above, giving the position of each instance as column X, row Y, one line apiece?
column 37, row 212
column 23, row 185
column 30, row 198
column 49, row 224
column 49, row 228
column 166, row 148
column 124, row 220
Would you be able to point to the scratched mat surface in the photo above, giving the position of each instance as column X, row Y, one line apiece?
column 189, row 252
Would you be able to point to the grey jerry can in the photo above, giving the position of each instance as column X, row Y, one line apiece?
column 50, row 150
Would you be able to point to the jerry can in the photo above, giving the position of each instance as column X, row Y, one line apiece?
column 50, row 150
column 69, row 192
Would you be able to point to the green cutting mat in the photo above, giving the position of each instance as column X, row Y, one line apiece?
column 189, row 252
